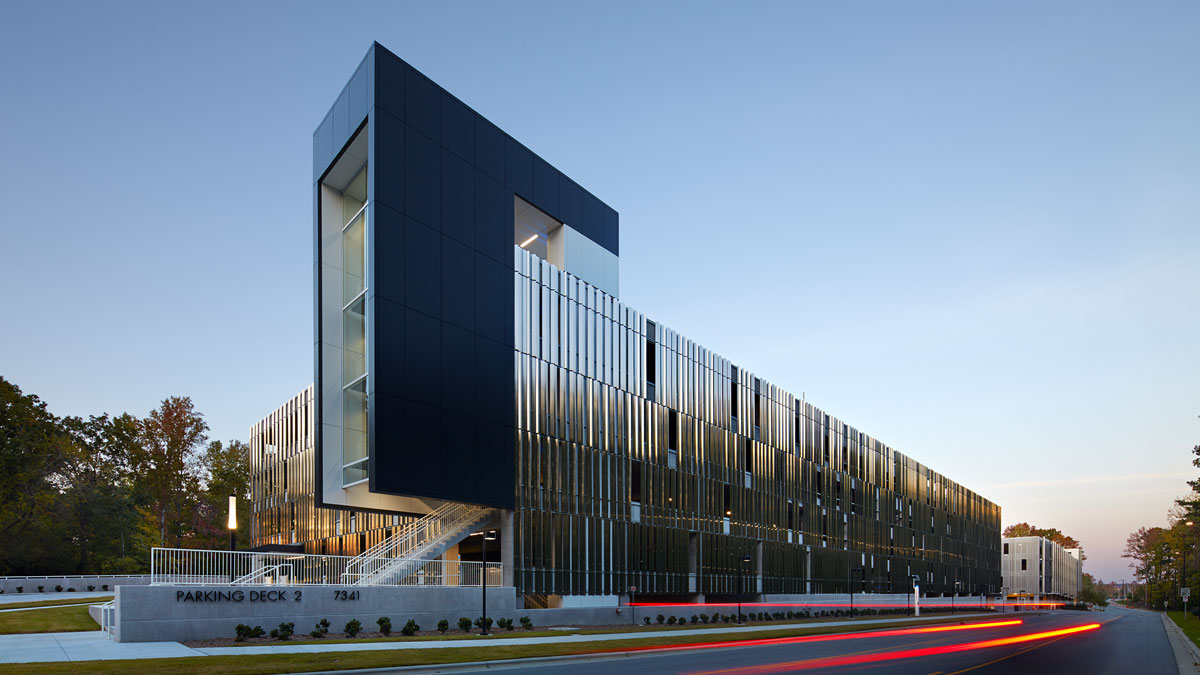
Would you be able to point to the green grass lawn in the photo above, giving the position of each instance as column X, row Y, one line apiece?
column 67, row 600
column 253, row 664
column 55, row 620
column 1191, row 627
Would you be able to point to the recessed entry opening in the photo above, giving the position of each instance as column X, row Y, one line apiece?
column 344, row 256
column 533, row 230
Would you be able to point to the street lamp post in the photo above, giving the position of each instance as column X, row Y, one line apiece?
column 1185, row 580
column 851, row 580
column 487, row 535
column 916, row 594
column 232, row 524
column 957, row 585
column 745, row 561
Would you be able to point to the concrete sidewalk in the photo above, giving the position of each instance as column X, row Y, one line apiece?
column 96, row 645
column 83, row 646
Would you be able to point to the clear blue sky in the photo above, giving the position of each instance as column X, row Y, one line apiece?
column 971, row 229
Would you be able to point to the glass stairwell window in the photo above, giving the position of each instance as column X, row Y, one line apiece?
column 354, row 331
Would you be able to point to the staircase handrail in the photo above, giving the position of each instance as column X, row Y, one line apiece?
column 371, row 571
column 413, row 537
column 247, row 579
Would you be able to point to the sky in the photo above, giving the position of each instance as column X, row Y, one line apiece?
column 970, row 229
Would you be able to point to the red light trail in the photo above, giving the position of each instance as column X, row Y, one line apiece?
column 824, row 638
column 925, row 603
column 859, row 659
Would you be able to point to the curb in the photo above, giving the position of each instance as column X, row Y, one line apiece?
column 508, row 664
column 1187, row 654
column 504, row 664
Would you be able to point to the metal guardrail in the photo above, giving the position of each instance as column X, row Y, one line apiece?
column 80, row 576
column 107, row 616
column 194, row 567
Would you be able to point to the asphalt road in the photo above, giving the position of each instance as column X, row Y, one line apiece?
column 1127, row 641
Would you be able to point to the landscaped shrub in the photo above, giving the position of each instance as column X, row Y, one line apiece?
column 316, row 631
column 681, row 620
column 661, row 619
column 526, row 623
column 91, row 588
column 353, row 627
column 58, row 588
column 703, row 618
column 695, row 618
column 483, row 622
column 70, row 590
column 323, row 624
column 670, row 621
column 284, row 632
column 104, row 587
column 41, row 589
column 646, row 619
column 410, row 628
column 242, row 631
column 443, row 626
column 385, row 625
column 464, row 624
column 20, row 589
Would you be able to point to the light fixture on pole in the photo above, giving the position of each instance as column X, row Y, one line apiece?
column 916, row 595
column 745, row 561
column 851, row 580
column 232, row 524
column 487, row 535
column 957, row 585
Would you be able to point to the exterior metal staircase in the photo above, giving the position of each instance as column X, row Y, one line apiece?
column 403, row 553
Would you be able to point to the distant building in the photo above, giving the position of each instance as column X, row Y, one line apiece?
column 1039, row 569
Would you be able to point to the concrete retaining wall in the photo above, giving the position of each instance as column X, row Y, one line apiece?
column 80, row 584
column 153, row 613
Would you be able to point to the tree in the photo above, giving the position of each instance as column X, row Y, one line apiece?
column 1191, row 503
column 96, row 492
column 1092, row 592
column 168, row 468
column 32, row 448
column 226, row 472
column 1053, row 534
column 1152, row 551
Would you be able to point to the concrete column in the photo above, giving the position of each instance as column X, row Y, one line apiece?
column 507, row 535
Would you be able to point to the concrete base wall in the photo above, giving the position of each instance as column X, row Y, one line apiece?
column 80, row 584
column 154, row 613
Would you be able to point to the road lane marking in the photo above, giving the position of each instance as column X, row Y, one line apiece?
column 1027, row 649
column 749, row 669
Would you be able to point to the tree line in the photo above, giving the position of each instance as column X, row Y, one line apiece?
column 1164, row 559
column 92, row 496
